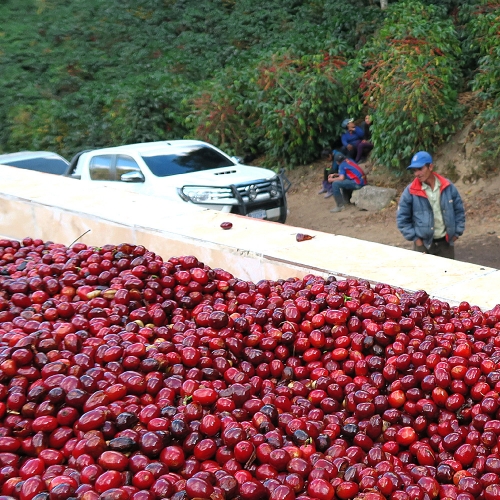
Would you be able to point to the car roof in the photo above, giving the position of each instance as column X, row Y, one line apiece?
column 28, row 155
column 145, row 147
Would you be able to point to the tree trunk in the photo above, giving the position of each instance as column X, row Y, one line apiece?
column 383, row 4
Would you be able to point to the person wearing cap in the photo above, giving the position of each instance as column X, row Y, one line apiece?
column 346, row 122
column 331, row 167
column 430, row 211
column 350, row 177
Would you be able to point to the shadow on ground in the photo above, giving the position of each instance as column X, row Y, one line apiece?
column 484, row 251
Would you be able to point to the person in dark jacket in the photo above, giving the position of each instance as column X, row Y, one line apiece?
column 365, row 145
column 331, row 167
column 349, row 178
column 430, row 211
column 350, row 139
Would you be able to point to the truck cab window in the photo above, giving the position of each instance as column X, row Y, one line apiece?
column 124, row 165
column 100, row 168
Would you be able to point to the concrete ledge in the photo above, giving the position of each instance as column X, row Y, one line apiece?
column 61, row 210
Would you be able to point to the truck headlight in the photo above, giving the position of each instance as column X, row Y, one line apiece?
column 274, row 191
column 204, row 194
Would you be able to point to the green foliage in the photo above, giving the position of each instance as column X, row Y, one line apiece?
column 484, row 30
column 269, row 77
column 411, row 80
column 89, row 73
column 118, row 114
column 223, row 112
column 288, row 103
column 461, row 16
column 288, row 106
column 483, row 39
column 301, row 102
column 447, row 7
column 489, row 124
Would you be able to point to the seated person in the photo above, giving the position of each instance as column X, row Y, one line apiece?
column 331, row 167
column 365, row 145
column 349, row 178
column 366, row 126
column 350, row 139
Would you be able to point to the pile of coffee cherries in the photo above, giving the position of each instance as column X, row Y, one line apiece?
column 128, row 376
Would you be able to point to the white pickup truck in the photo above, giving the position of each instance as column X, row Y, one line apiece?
column 187, row 171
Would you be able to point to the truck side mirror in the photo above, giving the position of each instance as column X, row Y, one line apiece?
column 132, row 177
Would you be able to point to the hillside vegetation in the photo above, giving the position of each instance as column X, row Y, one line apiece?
column 273, row 78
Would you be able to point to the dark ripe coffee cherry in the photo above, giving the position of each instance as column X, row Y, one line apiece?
column 56, row 395
column 44, row 495
column 323, row 442
column 179, row 429
column 272, row 412
column 226, row 225
column 62, row 491
column 168, row 411
column 349, row 430
column 229, row 486
column 123, row 444
column 126, row 420
column 300, row 437
column 180, row 495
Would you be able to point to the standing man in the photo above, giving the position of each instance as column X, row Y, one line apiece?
column 349, row 178
column 430, row 211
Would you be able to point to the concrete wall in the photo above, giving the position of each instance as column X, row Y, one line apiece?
column 62, row 210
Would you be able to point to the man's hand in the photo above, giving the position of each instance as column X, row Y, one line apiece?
column 419, row 242
column 455, row 238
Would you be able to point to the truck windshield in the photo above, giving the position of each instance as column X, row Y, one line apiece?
column 185, row 159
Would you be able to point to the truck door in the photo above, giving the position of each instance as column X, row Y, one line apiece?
column 129, row 175
column 117, row 172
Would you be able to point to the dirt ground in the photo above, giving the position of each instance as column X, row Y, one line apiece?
column 480, row 243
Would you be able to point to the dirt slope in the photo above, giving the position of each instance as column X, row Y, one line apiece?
column 480, row 243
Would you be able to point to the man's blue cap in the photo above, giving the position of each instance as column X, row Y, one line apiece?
column 420, row 159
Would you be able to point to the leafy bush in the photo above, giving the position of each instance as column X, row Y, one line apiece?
column 287, row 104
column 269, row 77
column 411, row 80
column 484, row 36
column 488, row 124
column 148, row 108
column 88, row 73
column 301, row 102
column 32, row 127
column 222, row 112
column 483, row 31
column 287, row 107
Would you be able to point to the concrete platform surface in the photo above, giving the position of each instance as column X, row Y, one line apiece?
column 62, row 210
